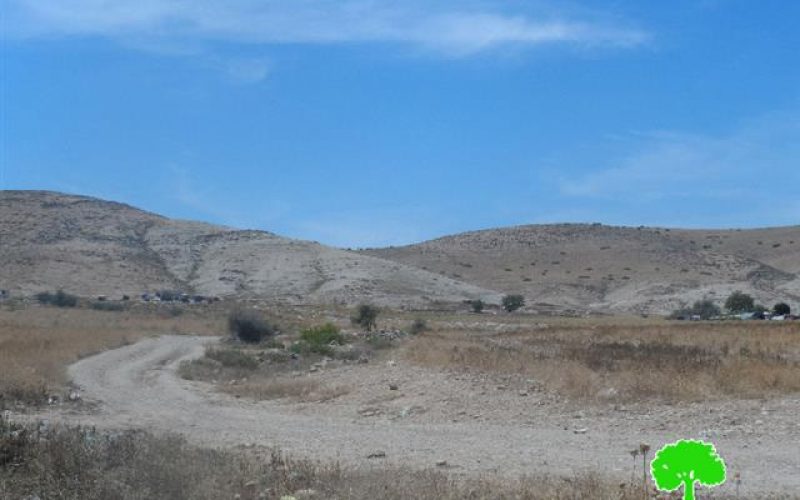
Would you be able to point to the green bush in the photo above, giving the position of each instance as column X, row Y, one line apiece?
column 322, row 335
column 782, row 309
column 513, row 302
column 739, row 302
column 365, row 317
column 249, row 326
column 58, row 299
column 477, row 306
column 705, row 309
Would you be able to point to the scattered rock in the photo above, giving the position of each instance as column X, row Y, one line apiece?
column 369, row 412
column 74, row 396
column 441, row 463
column 377, row 454
column 393, row 387
column 523, row 393
column 582, row 430
column 608, row 393
column 305, row 494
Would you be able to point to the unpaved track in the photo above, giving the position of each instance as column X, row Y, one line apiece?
column 136, row 386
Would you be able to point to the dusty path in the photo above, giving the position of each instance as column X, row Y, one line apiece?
column 136, row 386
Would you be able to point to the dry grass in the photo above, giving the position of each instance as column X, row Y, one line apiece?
column 627, row 362
column 74, row 463
column 38, row 343
column 301, row 389
column 246, row 371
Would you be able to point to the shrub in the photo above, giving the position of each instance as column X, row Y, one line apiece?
column 513, row 302
column 58, row 299
column 705, row 309
column 739, row 302
column 365, row 317
column 477, row 306
column 418, row 326
column 782, row 309
column 248, row 326
column 322, row 335
column 168, row 295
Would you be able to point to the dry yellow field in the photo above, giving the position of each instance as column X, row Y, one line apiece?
column 38, row 343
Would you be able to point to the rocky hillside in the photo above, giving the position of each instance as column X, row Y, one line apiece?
column 597, row 267
column 93, row 247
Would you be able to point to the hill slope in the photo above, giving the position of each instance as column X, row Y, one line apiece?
column 591, row 266
column 93, row 247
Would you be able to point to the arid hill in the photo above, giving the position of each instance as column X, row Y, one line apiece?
column 604, row 268
column 93, row 247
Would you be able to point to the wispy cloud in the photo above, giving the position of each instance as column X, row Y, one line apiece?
column 758, row 157
column 450, row 28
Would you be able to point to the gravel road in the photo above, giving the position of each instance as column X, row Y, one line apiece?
column 136, row 386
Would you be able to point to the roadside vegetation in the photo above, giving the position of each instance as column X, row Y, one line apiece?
column 278, row 364
column 81, row 463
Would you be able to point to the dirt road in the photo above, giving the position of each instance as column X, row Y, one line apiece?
column 136, row 386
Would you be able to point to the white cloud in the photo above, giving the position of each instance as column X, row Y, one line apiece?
column 451, row 28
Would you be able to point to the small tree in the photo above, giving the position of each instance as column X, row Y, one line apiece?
column 477, row 306
column 513, row 302
column 58, row 299
column 365, row 317
column 706, row 309
column 248, row 326
column 687, row 462
column 739, row 302
column 782, row 309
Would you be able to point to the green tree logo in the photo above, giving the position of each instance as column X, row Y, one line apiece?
column 687, row 462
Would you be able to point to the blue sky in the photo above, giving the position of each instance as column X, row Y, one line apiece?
column 380, row 122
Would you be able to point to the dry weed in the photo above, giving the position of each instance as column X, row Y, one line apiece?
column 628, row 362
column 38, row 343
column 80, row 463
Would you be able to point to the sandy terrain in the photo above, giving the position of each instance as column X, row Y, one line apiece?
column 477, row 425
